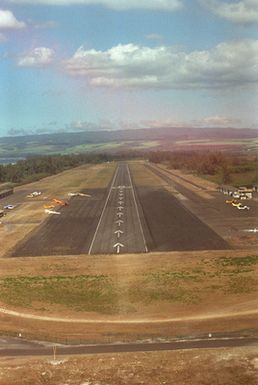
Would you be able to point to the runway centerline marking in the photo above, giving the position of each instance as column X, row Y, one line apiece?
column 118, row 246
column 118, row 233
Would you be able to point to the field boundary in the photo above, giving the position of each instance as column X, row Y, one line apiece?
column 126, row 321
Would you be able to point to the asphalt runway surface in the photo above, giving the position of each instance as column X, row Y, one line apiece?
column 172, row 226
column 120, row 229
column 108, row 222
column 30, row 349
column 121, row 219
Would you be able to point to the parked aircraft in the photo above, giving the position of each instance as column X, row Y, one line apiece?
column 78, row 194
column 236, row 204
column 241, row 207
column 251, row 230
column 60, row 202
column 49, row 206
column 52, row 212
column 34, row 194
column 9, row 207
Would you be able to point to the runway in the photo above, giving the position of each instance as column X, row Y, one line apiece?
column 121, row 219
column 21, row 349
column 120, row 228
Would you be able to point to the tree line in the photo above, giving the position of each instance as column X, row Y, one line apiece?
column 35, row 168
column 205, row 163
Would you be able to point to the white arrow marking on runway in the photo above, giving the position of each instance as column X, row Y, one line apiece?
column 120, row 214
column 118, row 246
column 120, row 208
column 119, row 233
column 119, row 222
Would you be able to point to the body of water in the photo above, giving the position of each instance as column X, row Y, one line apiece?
column 9, row 160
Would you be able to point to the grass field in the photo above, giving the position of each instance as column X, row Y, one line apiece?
column 171, row 285
column 143, row 177
column 12, row 150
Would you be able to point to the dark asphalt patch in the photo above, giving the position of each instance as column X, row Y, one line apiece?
column 67, row 234
column 172, row 227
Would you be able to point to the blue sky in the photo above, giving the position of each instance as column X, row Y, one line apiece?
column 78, row 65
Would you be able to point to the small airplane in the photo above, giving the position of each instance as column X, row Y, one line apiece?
column 60, row 202
column 241, row 207
column 78, row 194
column 236, row 204
column 49, row 206
column 251, row 230
column 34, row 194
column 52, row 212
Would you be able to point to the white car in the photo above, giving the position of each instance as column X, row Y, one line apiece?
column 241, row 207
column 9, row 207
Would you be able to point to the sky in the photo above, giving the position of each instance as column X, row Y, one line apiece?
column 80, row 65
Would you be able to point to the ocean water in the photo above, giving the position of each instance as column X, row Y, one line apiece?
column 9, row 160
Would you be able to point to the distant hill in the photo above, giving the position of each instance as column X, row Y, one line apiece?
column 99, row 141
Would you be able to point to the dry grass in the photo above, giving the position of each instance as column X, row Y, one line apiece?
column 197, row 367
column 143, row 177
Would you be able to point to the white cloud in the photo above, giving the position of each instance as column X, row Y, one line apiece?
column 38, row 57
column 243, row 12
column 223, row 121
column 168, row 5
column 154, row 36
column 9, row 21
column 228, row 64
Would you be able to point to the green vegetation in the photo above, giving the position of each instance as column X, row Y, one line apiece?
column 79, row 293
column 235, row 169
column 85, row 148
column 239, row 261
column 32, row 169
column 69, row 144
column 168, row 286
column 106, row 294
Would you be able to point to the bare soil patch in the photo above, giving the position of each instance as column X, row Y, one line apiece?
column 197, row 367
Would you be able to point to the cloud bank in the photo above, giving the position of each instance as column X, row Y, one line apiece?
column 132, row 66
column 242, row 12
column 120, row 5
